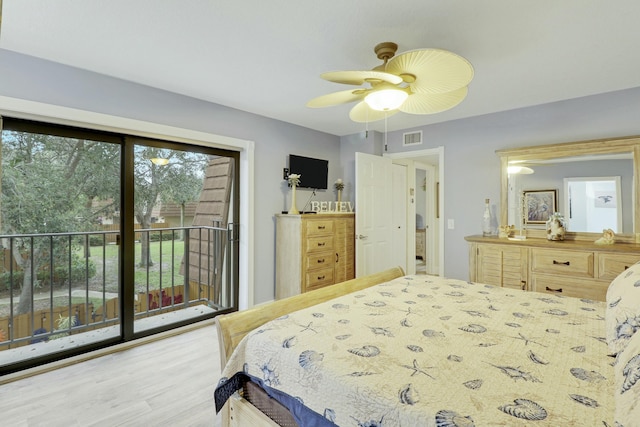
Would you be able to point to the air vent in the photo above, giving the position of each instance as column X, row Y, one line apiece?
column 412, row 138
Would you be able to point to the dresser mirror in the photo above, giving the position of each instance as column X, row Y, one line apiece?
column 568, row 169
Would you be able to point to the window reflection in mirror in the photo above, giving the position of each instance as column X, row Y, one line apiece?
column 594, row 203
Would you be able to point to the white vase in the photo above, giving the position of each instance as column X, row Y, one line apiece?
column 486, row 220
column 293, row 210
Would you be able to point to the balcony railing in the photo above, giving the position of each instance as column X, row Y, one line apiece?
column 61, row 284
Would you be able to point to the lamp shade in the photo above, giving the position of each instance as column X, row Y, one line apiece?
column 386, row 99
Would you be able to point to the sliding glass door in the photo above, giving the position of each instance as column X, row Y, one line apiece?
column 60, row 262
column 183, row 216
column 108, row 237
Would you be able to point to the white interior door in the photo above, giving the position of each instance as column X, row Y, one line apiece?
column 373, row 214
column 399, row 216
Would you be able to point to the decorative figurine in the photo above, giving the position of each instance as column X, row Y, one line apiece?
column 608, row 237
column 505, row 231
column 556, row 227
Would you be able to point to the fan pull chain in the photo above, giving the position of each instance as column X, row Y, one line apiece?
column 366, row 126
column 385, row 131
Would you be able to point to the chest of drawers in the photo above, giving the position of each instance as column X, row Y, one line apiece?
column 313, row 251
column 576, row 269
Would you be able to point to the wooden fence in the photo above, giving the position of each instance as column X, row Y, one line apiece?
column 146, row 305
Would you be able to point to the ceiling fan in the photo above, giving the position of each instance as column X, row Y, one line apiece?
column 423, row 81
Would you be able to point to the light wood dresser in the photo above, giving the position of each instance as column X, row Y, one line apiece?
column 313, row 251
column 572, row 268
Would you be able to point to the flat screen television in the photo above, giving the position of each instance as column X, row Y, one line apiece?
column 313, row 172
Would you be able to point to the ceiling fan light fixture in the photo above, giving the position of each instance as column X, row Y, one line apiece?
column 159, row 161
column 386, row 99
column 522, row 170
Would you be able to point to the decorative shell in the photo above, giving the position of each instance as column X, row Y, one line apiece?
column 586, row 401
column 408, row 395
column 365, row 351
column 556, row 312
column 473, row 328
column 584, row 375
column 430, row 333
column 289, row 342
column 376, row 304
column 473, row 384
column 535, row 358
column 415, row 348
column 454, row 294
column 631, row 373
column 445, row 418
column 525, row 409
column 309, row 357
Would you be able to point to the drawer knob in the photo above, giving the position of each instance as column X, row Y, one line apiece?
column 563, row 263
column 321, row 277
column 321, row 227
column 321, row 261
column 554, row 290
column 321, row 243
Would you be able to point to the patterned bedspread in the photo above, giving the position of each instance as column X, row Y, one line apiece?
column 430, row 351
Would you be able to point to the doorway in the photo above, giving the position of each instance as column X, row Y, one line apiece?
column 429, row 166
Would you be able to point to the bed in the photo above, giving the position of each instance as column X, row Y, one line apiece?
column 397, row 350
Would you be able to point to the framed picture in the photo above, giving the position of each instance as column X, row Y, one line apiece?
column 539, row 205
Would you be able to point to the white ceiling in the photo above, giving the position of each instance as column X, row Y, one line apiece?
column 265, row 57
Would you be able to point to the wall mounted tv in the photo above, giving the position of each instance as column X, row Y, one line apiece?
column 313, row 172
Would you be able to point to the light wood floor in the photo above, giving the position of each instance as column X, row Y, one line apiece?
column 169, row 382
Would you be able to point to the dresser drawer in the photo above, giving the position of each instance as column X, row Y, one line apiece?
column 569, row 286
column 319, row 227
column 569, row 263
column 610, row 265
column 318, row 279
column 320, row 260
column 320, row 243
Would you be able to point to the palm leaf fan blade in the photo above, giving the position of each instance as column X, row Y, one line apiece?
column 422, row 103
column 360, row 77
column 337, row 98
column 434, row 70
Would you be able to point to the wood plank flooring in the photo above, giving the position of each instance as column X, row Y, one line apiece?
column 168, row 382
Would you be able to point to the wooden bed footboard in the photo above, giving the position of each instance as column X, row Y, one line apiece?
column 234, row 326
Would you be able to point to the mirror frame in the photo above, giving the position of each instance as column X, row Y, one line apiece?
column 629, row 144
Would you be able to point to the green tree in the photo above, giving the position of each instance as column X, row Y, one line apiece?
column 179, row 180
column 44, row 191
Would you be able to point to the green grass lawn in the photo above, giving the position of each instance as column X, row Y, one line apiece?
column 166, row 267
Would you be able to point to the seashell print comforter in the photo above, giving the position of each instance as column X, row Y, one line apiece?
column 430, row 351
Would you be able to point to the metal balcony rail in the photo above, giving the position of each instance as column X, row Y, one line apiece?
column 58, row 284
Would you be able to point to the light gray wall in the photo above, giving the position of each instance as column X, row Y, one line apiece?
column 47, row 82
column 472, row 169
